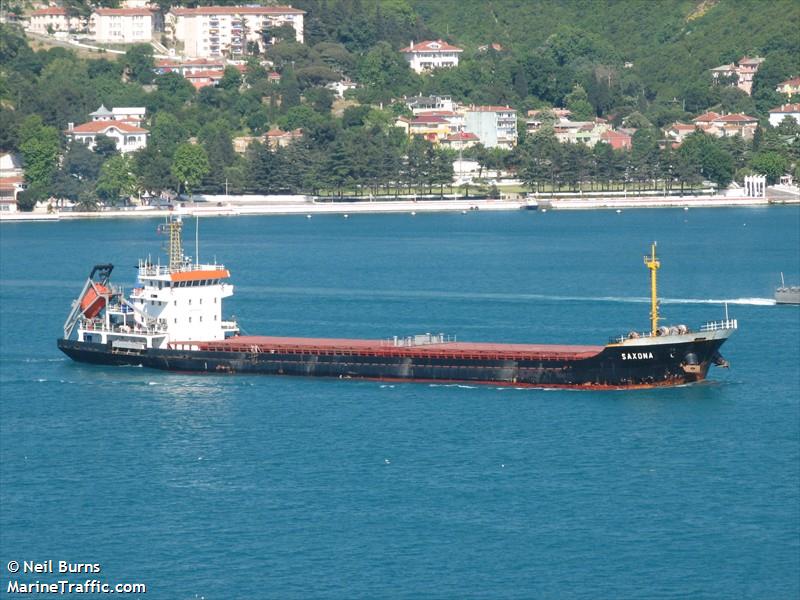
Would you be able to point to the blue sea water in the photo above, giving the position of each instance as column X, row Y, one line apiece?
column 266, row 487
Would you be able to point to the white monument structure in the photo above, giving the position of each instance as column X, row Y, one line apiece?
column 755, row 186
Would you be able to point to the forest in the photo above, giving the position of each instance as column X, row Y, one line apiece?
column 635, row 63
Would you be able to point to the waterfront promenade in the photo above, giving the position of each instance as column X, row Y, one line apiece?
column 309, row 206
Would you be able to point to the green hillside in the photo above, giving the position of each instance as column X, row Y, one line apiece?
column 668, row 42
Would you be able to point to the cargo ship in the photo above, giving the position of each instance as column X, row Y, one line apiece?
column 173, row 320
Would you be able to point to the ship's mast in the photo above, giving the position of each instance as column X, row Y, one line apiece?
column 175, row 248
column 653, row 264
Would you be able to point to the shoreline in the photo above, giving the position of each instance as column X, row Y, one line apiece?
column 309, row 209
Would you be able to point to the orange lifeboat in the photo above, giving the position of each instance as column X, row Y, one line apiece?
column 93, row 302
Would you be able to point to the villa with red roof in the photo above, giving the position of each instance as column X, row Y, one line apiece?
column 123, row 125
column 428, row 55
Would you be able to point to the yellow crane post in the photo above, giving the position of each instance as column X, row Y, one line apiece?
column 653, row 264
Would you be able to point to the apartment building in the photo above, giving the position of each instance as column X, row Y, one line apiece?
column 123, row 25
column 52, row 19
column 495, row 126
column 216, row 31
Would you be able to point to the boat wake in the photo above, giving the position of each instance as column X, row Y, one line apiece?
column 507, row 297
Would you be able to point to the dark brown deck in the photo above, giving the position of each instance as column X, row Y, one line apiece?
column 327, row 346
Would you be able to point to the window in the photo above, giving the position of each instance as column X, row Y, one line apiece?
column 176, row 302
column 201, row 318
column 190, row 301
column 190, row 319
column 176, row 320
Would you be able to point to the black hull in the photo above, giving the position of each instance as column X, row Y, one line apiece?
column 614, row 367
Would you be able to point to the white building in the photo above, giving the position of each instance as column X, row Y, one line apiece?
column 419, row 104
column 12, row 182
column 122, row 25
column 53, row 18
column 779, row 113
column 127, row 136
column 429, row 55
column 214, row 31
column 132, row 115
column 495, row 126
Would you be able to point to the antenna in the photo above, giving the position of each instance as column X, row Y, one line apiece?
column 726, row 311
column 653, row 264
column 197, row 239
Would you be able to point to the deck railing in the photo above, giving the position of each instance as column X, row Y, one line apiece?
column 719, row 325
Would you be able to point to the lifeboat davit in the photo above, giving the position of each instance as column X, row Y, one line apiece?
column 93, row 300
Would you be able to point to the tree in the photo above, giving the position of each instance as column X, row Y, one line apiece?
column 104, row 146
column 217, row 142
column 231, row 79
column 81, row 162
column 260, row 169
column 9, row 130
column 771, row 164
column 173, row 92
column 290, row 90
column 299, row 117
column 153, row 169
column 320, row 98
column 189, row 165
column 707, row 153
column 577, row 101
column 167, row 132
column 383, row 72
column 39, row 146
column 139, row 63
column 116, row 179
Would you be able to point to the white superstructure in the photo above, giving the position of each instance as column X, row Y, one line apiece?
column 171, row 306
